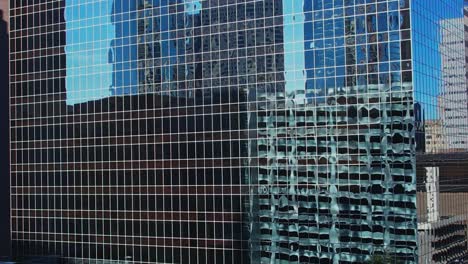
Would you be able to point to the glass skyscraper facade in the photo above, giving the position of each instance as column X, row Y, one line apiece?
column 216, row 131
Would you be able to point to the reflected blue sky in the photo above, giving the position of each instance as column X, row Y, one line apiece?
column 426, row 17
column 102, row 46
column 88, row 41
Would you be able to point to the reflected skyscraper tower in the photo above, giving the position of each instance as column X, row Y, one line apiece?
column 217, row 131
column 454, row 93
column 123, row 54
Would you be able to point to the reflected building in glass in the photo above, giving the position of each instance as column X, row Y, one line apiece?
column 336, row 176
column 440, row 79
column 454, row 95
column 213, row 131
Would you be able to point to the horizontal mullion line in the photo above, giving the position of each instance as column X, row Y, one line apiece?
column 177, row 242
column 189, row 111
column 187, row 137
column 122, row 165
column 230, row 217
column 139, row 190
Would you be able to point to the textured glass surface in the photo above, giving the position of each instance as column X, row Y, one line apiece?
column 335, row 151
column 213, row 131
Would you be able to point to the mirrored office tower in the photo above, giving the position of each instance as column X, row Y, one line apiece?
column 213, row 131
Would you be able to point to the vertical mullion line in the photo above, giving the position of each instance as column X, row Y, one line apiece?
column 173, row 121
column 88, row 143
column 288, row 113
column 205, row 126
column 335, row 127
column 357, row 84
column 187, row 28
column 78, row 173
column 222, row 138
column 133, row 156
column 47, row 182
column 308, row 109
column 55, row 184
column 413, row 96
column 109, row 174
column 155, row 156
column 129, row 210
column 229, row 144
column 24, row 158
column 194, row 131
column 148, row 115
column 61, row 181
column 127, row 112
column 49, row 173
column 22, row 181
column 144, row 134
column 285, row 115
column 99, row 173
column 78, row 196
column 12, row 84
column 31, row 174
column 71, row 199
column 92, row 177
column 180, row 92
column 37, row 193
column 180, row 86
column 37, row 180
column 356, row 73
column 114, row 167
column 35, row 231
column 141, row 118
column 214, row 141
column 163, row 169
column 237, row 127
column 250, row 103
column 197, row 127
column 172, row 159
column 161, row 146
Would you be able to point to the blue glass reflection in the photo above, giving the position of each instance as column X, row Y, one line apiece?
column 294, row 59
column 89, row 33
column 162, row 49
column 426, row 50
column 118, row 47
column 193, row 7
column 123, row 51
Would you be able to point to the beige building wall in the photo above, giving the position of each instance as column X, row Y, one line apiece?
column 435, row 141
column 4, row 7
column 450, row 204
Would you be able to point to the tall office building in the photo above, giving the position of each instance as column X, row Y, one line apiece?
column 213, row 131
column 454, row 93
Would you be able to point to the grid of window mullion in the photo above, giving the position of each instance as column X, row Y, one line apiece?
column 130, row 205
